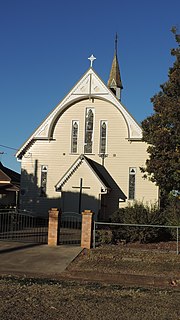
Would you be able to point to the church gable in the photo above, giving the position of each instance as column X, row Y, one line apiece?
column 84, row 185
column 88, row 87
column 89, row 166
column 93, row 145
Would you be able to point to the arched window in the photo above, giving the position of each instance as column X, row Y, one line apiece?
column 89, row 127
column 103, row 137
column 74, row 136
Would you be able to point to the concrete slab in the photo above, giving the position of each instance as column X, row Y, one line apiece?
column 25, row 258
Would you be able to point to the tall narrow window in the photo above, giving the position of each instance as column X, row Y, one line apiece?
column 74, row 137
column 44, row 170
column 89, row 126
column 132, row 183
column 103, row 137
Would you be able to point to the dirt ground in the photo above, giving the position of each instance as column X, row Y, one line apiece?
column 110, row 282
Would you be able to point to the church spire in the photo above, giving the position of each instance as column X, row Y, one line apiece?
column 114, row 82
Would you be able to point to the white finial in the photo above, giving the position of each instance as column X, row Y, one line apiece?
column 92, row 58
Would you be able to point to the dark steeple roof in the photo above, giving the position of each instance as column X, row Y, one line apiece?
column 114, row 81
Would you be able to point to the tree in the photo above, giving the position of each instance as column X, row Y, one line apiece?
column 162, row 132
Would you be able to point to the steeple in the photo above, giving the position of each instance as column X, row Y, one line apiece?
column 114, row 82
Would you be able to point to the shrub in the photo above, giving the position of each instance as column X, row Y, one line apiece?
column 104, row 236
column 172, row 214
column 138, row 213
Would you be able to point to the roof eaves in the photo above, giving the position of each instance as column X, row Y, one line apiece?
column 68, row 174
column 97, row 173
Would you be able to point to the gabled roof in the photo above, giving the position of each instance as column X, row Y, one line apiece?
column 98, row 170
column 8, row 175
column 4, row 178
column 89, row 86
column 75, row 166
column 9, row 179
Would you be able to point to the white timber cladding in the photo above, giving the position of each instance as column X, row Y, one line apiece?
column 91, row 192
column 122, row 155
column 72, row 170
column 89, row 86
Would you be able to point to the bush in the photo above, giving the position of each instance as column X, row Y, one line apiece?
column 172, row 214
column 104, row 236
column 138, row 213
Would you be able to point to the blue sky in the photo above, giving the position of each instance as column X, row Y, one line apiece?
column 45, row 45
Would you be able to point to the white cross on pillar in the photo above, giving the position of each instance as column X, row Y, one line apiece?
column 92, row 58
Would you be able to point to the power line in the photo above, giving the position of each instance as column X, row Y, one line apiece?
column 1, row 145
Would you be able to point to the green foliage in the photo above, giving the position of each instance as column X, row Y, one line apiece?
column 172, row 214
column 138, row 213
column 162, row 131
column 104, row 236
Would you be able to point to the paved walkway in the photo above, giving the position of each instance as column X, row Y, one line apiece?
column 37, row 260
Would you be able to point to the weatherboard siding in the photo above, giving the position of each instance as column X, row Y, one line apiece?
column 56, row 154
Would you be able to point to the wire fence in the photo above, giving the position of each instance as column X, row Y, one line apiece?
column 106, row 226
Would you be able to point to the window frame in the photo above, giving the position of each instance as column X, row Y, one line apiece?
column 44, row 169
column 100, row 138
column 134, row 186
column 86, row 114
column 71, row 150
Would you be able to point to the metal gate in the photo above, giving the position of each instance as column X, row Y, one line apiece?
column 70, row 228
column 22, row 227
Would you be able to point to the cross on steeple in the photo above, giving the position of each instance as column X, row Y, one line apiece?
column 91, row 58
column 116, row 40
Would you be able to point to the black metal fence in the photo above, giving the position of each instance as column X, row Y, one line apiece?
column 106, row 229
column 21, row 226
column 70, row 228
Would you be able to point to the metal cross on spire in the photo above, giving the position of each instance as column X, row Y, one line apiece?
column 116, row 40
column 91, row 58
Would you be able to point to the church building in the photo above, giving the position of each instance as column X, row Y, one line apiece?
column 87, row 154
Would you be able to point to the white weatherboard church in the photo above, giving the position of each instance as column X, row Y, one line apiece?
column 87, row 153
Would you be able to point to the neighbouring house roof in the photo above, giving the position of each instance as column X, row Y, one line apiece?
column 9, row 179
column 98, row 170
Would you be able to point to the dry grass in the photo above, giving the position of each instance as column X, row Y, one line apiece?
column 125, row 260
column 27, row 299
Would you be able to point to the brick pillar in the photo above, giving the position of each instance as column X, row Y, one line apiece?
column 53, row 227
column 86, row 233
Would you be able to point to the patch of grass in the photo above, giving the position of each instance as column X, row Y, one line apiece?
column 118, row 259
column 75, row 300
column 32, row 298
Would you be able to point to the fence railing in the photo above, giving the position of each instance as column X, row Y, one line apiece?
column 70, row 228
column 113, row 224
column 18, row 226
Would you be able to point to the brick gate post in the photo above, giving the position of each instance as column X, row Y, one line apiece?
column 86, row 232
column 53, row 227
